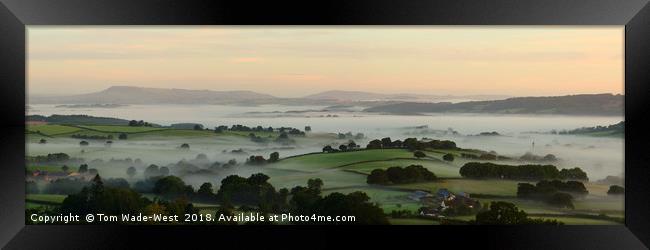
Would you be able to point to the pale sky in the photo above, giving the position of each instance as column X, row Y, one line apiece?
column 293, row 61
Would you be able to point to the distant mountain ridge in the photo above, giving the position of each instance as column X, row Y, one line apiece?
column 586, row 104
column 342, row 95
column 138, row 95
column 141, row 95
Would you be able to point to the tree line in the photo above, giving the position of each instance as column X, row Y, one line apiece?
column 555, row 192
column 252, row 193
column 520, row 172
column 399, row 175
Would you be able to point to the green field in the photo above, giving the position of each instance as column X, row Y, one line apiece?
column 162, row 133
column 331, row 178
column 262, row 134
column 311, row 162
column 45, row 198
column 50, row 168
column 52, row 130
column 438, row 167
column 489, row 187
column 120, row 129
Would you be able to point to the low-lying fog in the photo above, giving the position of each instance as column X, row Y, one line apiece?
column 598, row 156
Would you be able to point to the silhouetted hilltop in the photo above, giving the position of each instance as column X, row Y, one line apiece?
column 341, row 95
column 138, row 95
column 587, row 104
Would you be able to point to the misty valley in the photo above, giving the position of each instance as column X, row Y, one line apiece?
column 374, row 160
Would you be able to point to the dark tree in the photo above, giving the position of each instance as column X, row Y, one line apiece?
column 65, row 168
column 116, row 183
column 502, row 213
column 343, row 147
column 562, row 200
column 374, row 144
column 378, row 176
column 42, row 141
column 205, row 190
column 573, row 174
column 616, row 190
column 328, row 149
column 122, row 136
column 163, row 171
column 198, row 127
column 171, row 186
column 275, row 156
column 83, row 168
column 448, row 157
column 315, row 184
column 419, row 154
column 151, row 171
column 131, row 171
column 83, row 143
column 386, row 142
column 398, row 175
column 352, row 145
column 307, row 128
column 185, row 146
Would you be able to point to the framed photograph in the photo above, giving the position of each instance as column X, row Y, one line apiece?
column 517, row 124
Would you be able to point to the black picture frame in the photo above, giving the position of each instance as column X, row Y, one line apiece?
column 16, row 14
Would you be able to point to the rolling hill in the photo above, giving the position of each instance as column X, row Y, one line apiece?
column 587, row 104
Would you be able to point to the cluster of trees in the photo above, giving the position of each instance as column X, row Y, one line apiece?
column 618, row 128
column 573, row 174
column 399, row 175
column 172, row 187
column 140, row 123
column 239, row 127
column 505, row 213
column 616, row 190
column 349, row 135
column 308, row 200
column 66, row 186
column 122, row 136
column 528, row 156
column 252, row 191
column 101, row 198
column 492, row 156
column 493, row 133
column 521, row 172
column 411, row 144
column 49, row 158
column 283, row 138
column 151, row 171
column 257, row 138
column 350, row 146
column 194, row 126
column 260, row 160
column 555, row 192
column 92, row 137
